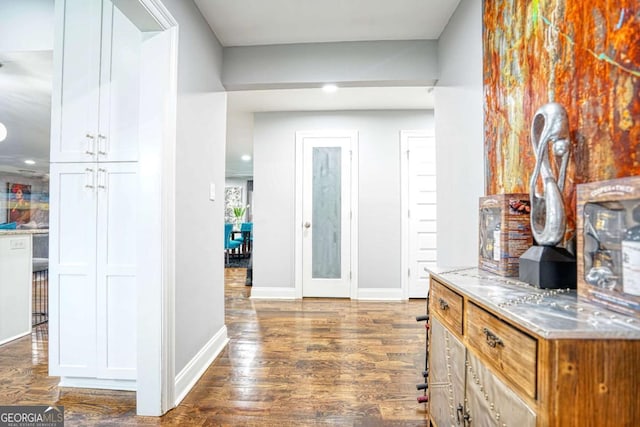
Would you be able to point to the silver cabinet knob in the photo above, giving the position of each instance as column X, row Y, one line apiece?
column 307, row 224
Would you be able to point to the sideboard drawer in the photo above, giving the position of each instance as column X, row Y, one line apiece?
column 447, row 305
column 503, row 347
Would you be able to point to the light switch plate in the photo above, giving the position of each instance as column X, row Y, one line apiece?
column 212, row 191
column 17, row 244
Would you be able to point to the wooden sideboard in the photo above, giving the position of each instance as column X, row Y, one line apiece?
column 503, row 353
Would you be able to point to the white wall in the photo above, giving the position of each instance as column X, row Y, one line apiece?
column 379, row 191
column 200, row 148
column 459, row 136
column 370, row 63
column 26, row 25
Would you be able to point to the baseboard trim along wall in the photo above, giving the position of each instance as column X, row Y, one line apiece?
column 15, row 337
column 373, row 294
column 126, row 385
column 380, row 294
column 258, row 292
column 191, row 373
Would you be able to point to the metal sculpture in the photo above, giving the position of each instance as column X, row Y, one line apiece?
column 548, row 217
column 547, row 265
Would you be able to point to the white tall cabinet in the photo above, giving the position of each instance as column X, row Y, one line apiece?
column 93, row 196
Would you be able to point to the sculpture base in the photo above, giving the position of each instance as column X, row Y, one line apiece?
column 548, row 267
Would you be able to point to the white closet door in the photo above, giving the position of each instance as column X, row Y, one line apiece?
column 119, row 87
column 76, row 83
column 117, row 186
column 72, row 254
column 422, row 207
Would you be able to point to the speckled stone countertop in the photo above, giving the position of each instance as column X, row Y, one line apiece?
column 548, row 313
column 24, row 231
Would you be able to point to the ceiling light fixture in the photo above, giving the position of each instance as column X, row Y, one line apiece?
column 329, row 88
column 246, row 157
column 30, row 162
column 3, row 132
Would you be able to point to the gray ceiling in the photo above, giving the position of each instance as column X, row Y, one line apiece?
column 260, row 22
column 25, row 109
column 25, row 77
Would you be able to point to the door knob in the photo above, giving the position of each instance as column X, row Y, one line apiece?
column 307, row 224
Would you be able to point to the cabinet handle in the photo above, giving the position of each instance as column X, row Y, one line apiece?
column 101, row 150
column 492, row 339
column 459, row 412
column 467, row 418
column 102, row 178
column 90, row 144
column 443, row 304
column 88, row 178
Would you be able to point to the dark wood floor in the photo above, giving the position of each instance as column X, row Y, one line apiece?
column 288, row 363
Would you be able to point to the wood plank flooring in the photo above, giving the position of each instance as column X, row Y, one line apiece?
column 289, row 363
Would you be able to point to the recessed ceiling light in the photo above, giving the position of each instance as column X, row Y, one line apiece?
column 329, row 88
column 30, row 162
column 3, row 132
column 246, row 157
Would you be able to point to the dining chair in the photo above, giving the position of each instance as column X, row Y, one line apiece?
column 229, row 244
column 246, row 237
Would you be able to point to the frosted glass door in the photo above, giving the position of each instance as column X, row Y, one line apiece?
column 325, row 262
column 326, row 226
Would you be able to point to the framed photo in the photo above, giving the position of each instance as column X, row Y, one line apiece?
column 18, row 203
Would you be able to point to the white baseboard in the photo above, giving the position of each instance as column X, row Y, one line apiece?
column 380, row 294
column 258, row 292
column 15, row 337
column 77, row 382
column 192, row 372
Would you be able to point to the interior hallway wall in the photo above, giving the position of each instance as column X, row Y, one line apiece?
column 459, row 136
column 200, row 152
column 379, row 191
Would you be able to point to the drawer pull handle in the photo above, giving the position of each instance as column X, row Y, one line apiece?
column 492, row 339
column 443, row 304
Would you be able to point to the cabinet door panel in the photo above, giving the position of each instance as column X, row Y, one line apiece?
column 75, row 329
column 121, row 305
column 446, row 375
column 490, row 402
column 76, row 81
column 120, row 87
column 72, row 251
column 116, row 270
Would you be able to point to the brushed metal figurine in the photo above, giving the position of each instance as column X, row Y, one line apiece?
column 547, row 265
column 548, row 217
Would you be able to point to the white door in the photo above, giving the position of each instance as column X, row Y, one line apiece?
column 326, row 212
column 117, row 139
column 72, row 270
column 419, row 178
column 100, row 62
column 117, row 186
column 76, row 83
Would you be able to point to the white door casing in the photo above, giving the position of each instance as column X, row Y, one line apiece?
column 326, row 260
column 418, row 182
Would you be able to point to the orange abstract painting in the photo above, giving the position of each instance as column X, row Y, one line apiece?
column 584, row 55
